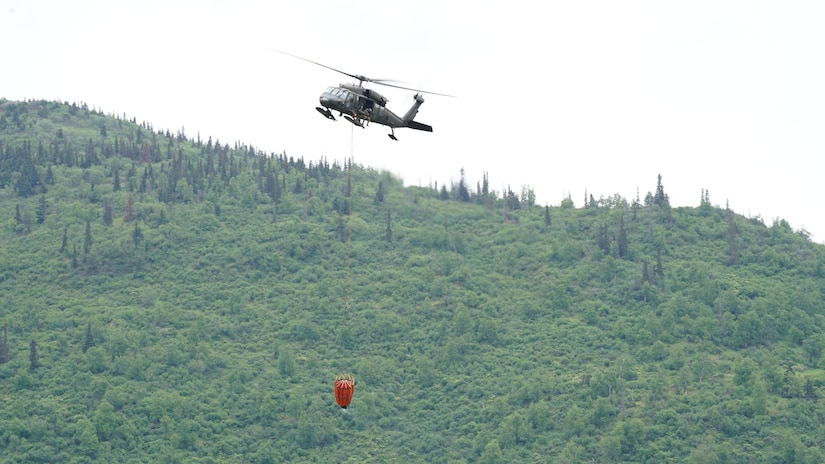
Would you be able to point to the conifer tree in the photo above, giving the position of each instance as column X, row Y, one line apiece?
column 137, row 235
column 732, row 236
column 389, row 226
column 659, row 270
column 107, row 213
column 4, row 346
column 40, row 213
column 621, row 239
column 34, row 362
column 28, row 180
column 65, row 240
column 547, row 219
column 89, row 341
column 87, row 239
column 144, row 180
column 18, row 216
column 463, row 191
column 379, row 194
column 117, row 181
column 660, row 198
column 604, row 239
column 342, row 230
column 646, row 275
column 485, row 190
column 271, row 185
column 129, row 214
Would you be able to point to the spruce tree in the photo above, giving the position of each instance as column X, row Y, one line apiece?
column 87, row 239
column 389, row 226
column 4, row 347
column 646, row 275
column 28, row 180
column 463, row 191
column 732, row 236
column 379, row 194
column 621, row 239
column 129, row 214
column 659, row 270
column 65, row 240
column 485, row 191
column 604, row 239
column 34, row 362
column 40, row 213
column 137, row 235
column 546, row 217
column 660, row 198
column 342, row 230
column 107, row 213
column 89, row 341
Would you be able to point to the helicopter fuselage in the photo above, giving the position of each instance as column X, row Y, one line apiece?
column 362, row 105
column 359, row 103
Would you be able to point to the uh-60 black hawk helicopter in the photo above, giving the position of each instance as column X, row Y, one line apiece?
column 360, row 105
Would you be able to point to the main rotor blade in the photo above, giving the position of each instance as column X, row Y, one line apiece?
column 384, row 83
column 354, row 76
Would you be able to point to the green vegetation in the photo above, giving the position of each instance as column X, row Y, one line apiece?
column 174, row 300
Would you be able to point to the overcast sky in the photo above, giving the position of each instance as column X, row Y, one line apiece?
column 562, row 96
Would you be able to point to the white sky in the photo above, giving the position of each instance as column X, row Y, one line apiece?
column 559, row 95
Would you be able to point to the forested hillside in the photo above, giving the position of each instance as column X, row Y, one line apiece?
column 172, row 299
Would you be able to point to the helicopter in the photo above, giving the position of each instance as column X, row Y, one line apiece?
column 360, row 105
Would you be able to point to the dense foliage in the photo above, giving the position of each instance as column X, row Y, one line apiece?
column 166, row 299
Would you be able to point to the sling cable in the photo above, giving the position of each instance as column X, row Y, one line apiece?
column 345, row 383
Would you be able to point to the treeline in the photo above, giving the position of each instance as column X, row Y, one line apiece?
column 174, row 157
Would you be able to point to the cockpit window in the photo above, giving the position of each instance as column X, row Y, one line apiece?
column 343, row 94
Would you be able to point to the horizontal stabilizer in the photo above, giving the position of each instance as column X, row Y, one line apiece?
column 418, row 126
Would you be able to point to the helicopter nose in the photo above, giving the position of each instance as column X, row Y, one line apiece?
column 327, row 100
